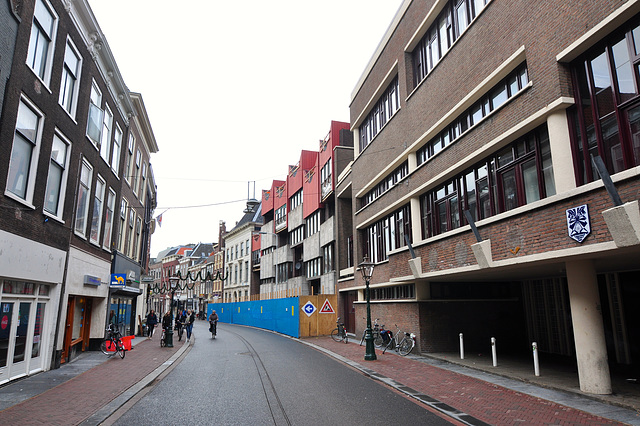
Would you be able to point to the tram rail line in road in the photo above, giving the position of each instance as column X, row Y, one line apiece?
column 271, row 395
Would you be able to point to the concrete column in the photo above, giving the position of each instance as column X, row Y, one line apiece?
column 588, row 328
column 416, row 221
column 560, row 145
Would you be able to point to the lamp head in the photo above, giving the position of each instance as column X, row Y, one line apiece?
column 366, row 268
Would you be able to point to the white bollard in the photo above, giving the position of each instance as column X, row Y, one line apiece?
column 536, row 364
column 461, row 347
column 494, row 352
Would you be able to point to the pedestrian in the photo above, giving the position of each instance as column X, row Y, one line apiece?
column 213, row 323
column 189, row 321
column 113, row 319
column 152, row 320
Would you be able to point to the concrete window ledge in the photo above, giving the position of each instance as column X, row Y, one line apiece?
column 482, row 252
column 624, row 223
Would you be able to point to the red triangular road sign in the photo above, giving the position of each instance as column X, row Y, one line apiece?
column 327, row 308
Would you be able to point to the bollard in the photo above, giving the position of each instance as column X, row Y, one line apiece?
column 494, row 352
column 461, row 347
column 536, row 365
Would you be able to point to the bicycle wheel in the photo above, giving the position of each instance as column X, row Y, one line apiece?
column 120, row 348
column 335, row 335
column 377, row 340
column 103, row 347
column 162, row 342
column 405, row 346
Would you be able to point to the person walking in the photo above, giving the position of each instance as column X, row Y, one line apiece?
column 213, row 323
column 189, row 323
column 152, row 320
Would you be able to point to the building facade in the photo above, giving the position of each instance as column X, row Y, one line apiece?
column 66, row 112
column 473, row 186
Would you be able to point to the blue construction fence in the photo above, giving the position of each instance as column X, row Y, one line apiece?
column 280, row 315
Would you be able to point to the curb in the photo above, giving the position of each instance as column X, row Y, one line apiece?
column 105, row 412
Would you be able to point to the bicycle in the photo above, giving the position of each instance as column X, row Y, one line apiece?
column 339, row 334
column 213, row 328
column 163, row 338
column 375, row 332
column 112, row 343
column 402, row 345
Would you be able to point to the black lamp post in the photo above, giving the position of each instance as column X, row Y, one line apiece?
column 366, row 268
column 173, row 280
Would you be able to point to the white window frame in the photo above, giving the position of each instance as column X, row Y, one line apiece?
column 122, row 222
column 38, row 31
column 108, row 220
column 32, row 164
column 117, row 150
column 143, row 181
column 98, row 207
column 82, row 205
column 136, row 172
column 95, row 115
column 107, row 132
column 127, row 171
column 63, row 165
column 70, row 80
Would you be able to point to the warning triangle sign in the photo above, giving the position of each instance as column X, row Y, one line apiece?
column 327, row 308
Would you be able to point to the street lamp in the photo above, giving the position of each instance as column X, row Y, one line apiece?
column 173, row 280
column 366, row 268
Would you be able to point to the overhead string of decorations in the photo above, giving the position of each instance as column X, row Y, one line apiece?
column 188, row 282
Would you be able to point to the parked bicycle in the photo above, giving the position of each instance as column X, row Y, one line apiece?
column 375, row 332
column 112, row 343
column 402, row 342
column 339, row 334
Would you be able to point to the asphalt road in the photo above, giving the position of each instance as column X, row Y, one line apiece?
column 249, row 376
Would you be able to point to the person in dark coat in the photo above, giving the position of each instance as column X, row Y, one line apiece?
column 191, row 317
column 152, row 320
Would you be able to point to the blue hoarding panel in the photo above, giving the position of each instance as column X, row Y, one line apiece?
column 280, row 315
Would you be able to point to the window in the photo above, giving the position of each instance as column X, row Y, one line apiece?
column 98, row 203
column 517, row 175
column 312, row 268
column 387, row 234
column 136, row 172
column 122, row 229
column 281, row 217
column 57, row 179
column 387, row 183
column 498, row 95
column 326, row 182
column 108, row 219
column 283, row 271
column 604, row 120
column 327, row 258
column 143, row 181
column 94, row 121
column 381, row 113
column 70, row 78
column 41, row 43
column 128, row 247
column 128, row 167
column 24, row 152
column 406, row 291
column 246, row 245
column 115, row 155
column 241, row 249
column 297, row 235
column 136, row 255
column 312, row 223
column 455, row 17
column 107, row 127
column 246, row 271
column 295, row 200
column 82, row 202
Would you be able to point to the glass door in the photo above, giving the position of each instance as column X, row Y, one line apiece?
column 21, row 351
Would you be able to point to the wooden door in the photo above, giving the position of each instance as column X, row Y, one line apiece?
column 68, row 329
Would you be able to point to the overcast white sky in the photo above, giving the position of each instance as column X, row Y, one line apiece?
column 234, row 91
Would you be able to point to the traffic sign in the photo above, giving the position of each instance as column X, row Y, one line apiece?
column 309, row 308
column 327, row 308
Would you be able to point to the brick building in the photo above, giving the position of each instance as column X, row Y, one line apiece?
column 66, row 115
column 472, row 114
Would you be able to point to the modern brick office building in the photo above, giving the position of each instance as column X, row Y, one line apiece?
column 486, row 114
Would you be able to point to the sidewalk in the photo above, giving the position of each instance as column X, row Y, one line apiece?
column 475, row 397
column 88, row 389
column 92, row 387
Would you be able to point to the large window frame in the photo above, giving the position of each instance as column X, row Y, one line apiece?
column 605, row 120
column 500, row 183
column 83, row 199
column 387, row 234
column 108, row 219
column 25, row 152
column 96, row 216
column 384, row 109
column 42, row 41
column 55, row 191
column 95, row 115
column 70, row 80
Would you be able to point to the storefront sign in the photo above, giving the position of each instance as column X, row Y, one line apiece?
column 578, row 223
column 91, row 280
column 118, row 279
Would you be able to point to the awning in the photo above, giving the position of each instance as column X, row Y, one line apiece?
column 124, row 291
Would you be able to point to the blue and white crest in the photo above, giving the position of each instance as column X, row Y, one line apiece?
column 578, row 222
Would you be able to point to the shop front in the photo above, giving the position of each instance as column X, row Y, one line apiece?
column 124, row 294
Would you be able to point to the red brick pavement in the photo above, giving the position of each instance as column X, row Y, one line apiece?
column 78, row 398
column 485, row 401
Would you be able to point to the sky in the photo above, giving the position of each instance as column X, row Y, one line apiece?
column 234, row 91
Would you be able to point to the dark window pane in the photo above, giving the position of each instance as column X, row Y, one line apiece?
column 636, row 39
column 624, row 72
column 454, row 212
column 484, row 198
column 442, row 216
column 634, row 123
column 611, row 145
column 530, row 179
column 602, row 83
column 505, row 157
column 499, row 96
column 509, row 190
column 476, row 114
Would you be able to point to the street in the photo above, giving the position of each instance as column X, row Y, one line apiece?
column 249, row 376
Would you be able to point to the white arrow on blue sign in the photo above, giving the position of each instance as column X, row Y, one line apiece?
column 309, row 308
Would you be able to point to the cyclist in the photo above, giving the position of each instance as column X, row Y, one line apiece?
column 213, row 323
